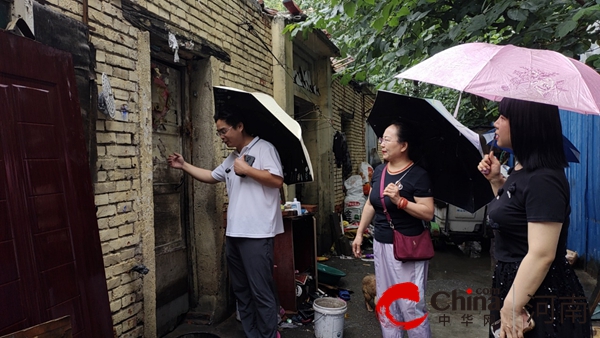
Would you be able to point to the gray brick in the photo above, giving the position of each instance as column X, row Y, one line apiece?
column 124, row 138
column 104, row 187
column 124, row 207
column 105, row 211
column 106, row 138
column 101, row 199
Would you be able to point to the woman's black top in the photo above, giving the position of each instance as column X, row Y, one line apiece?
column 539, row 196
column 416, row 183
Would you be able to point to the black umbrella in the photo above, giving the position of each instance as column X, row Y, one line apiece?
column 269, row 121
column 448, row 150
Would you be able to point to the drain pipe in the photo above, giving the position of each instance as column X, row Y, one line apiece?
column 85, row 13
column 86, row 18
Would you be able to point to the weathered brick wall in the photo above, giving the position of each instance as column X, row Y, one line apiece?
column 118, row 193
column 348, row 100
column 337, row 99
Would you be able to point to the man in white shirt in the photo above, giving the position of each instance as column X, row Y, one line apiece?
column 253, row 219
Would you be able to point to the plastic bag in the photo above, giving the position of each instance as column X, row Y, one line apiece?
column 353, row 206
column 355, row 199
column 366, row 173
column 353, row 185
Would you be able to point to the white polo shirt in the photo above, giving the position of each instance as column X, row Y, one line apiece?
column 254, row 210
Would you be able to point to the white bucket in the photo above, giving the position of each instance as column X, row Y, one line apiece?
column 329, row 317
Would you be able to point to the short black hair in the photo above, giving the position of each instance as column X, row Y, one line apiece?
column 233, row 117
column 535, row 133
column 406, row 133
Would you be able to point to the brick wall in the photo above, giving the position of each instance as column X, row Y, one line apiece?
column 346, row 99
column 118, row 193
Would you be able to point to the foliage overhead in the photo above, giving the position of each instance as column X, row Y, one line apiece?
column 387, row 37
column 275, row 4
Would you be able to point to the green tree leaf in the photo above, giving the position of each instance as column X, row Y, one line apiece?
column 531, row 6
column 360, row 76
column 454, row 32
column 565, row 28
column 350, row 8
column 518, row 14
column 378, row 24
column 346, row 78
column 401, row 30
column 387, row 37
column 404, row 11
column 477, row 23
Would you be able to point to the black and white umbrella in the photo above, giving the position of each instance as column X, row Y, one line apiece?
column 267, row 120
column 449, row 151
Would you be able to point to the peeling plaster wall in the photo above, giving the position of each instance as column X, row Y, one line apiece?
column 146, row 224
column 283, row 84
column 207, row 230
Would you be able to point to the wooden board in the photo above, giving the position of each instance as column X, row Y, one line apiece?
column 57, row 328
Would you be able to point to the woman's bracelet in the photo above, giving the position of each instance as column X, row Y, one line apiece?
column 402, row 203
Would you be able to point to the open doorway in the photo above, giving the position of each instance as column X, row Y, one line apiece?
column 307, row 116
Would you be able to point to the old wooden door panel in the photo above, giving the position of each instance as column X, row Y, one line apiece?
column 172, row 285
column 50, row 226
column 57, row 328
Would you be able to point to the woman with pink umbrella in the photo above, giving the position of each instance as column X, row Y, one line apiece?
column 540, row 293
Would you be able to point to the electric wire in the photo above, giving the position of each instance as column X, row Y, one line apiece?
column 316, row 109
column 251, row 30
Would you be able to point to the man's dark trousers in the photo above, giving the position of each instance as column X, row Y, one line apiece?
column 250, row 263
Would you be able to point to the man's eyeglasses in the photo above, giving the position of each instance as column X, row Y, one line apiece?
column 382, row 140
column 223, row 131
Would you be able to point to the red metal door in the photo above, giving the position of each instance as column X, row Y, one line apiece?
column 50, row 257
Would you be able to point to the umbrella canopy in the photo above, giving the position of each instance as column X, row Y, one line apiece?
column 572, row 154
column 449, row 151
column 270, row 122
column 495, row 72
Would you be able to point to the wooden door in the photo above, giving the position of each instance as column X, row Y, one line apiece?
column 50, row 257
column 172, row 268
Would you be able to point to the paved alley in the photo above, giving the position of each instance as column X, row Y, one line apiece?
column 450, row 271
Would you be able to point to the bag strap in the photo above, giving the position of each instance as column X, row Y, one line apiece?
column 381, row 183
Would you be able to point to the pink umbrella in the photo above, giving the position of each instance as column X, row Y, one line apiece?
column 495, row 72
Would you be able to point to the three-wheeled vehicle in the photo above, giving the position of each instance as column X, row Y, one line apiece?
column 458, row 226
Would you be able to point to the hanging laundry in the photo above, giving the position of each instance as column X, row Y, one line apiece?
column 342, row 155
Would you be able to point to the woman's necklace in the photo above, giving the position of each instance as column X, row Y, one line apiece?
column 399, row 181
column 401, row 170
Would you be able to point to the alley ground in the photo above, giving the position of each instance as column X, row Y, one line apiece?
column 449, row 270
